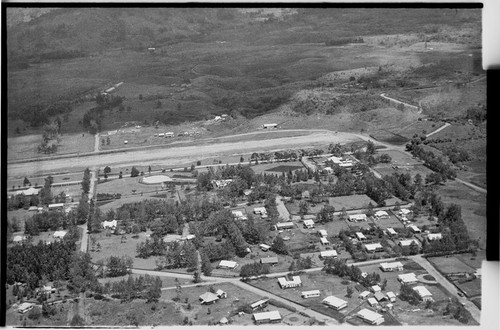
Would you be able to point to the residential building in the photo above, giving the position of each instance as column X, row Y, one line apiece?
column 380, row 296
column 25, row 307
column 260, row 210
column 33, row 209
column 59, row 234
column 238, row 214
column 372, row 302
column 267, row 317
column 340, row 161
column 284, row 225
column 404, row 212
column 357, row 217
column 308, row 224
column 334, row 302
column 324, row 241
column 268, row 126
column 381, row 215
column 221, row 183
column 221, row 294
column 408, row 278
column 264, row 247
column 19, row 238
column 370, row 317
column 224, row 321
column 424, row 294
column 360, row 236
column 285, row 283
column 328, row 254
column 269, row 260
column 208, row 298
column 56, row 206
column 414, row 229
column 407, row 242
column 391, row 231
column 374, row 247
column 432, row 237
column 322, row 233
column 391, row 266
column 375, row 288
column 226, row 264
column 364, row 294
column 109, row 224
column 391, row 296
column 310, row 294
column 169, row 134
column 259, row 304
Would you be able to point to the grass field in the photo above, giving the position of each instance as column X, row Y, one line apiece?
column 391, row 222
column 23, row 147
column 471, row 288
column 450, row 264
column 277, row 167
column 350, row 202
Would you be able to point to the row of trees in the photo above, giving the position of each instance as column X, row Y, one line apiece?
column 436, row 164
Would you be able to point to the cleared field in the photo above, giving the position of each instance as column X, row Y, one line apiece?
column 333, row 228
column 386, row 169
column 471, row 288
column 450, row 264
column 419, row 127
column 24, row 147
column 277, row 167
column 473, row 206
column 127, row 186
column 390, row 222
column 351, row 202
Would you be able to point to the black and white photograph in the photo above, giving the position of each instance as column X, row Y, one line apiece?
column 226, row 165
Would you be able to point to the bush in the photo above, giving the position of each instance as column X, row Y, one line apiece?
column 282, row 305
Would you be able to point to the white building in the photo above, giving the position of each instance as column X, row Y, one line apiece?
column 404, row 212
column 169, row 134
column 324, row 241
column 259, row 304
column 391, row 266
column 239, row 215
column 432, row 237
column 357, row 217
column 407, row 278
column 407, row 242
column 59, row 234
column 424, row 294
column 414, row 229
column 340, row 161
column 19, row 238
column 267, row 126
column 370, row 317
column 286, row 283
column 360, row 236
column 322, row 233
column 381, row 215
column 374, row 247
column 364, row 294
column 227, row 264
column 391, row 231
column 334, row 302
column 284, row 225
column 372, row 302
column 391, row 296
column 260, row 210
column 308, row 224
column 267, row 317
column 310, row 294
column 25, row 307
column 264, row 247
column 375, row 288
column 109, row 224
column 328, row 254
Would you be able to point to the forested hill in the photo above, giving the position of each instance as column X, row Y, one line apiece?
column 35, row 34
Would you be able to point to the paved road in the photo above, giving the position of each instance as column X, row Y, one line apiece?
column 475, row 312
column 439, row 129
column 471, row 185
column 96, row 142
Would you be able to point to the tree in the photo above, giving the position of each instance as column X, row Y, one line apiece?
column 107, row 170
column 196, row 276
column 303, row 207
column 385, row 158
column 120, row 175
column 370, row 211
column 279, row 245
column 134, row 172
column 206, row 266
column 26, row 182
column 343, row 214
column 370, row 147
column 178, row 289
column 349, row 292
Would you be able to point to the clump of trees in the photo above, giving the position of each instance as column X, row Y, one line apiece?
column 435, row 163
column 343, row 41
column 406, row 293
column 254, row 269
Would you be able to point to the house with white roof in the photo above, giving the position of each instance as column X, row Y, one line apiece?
column 272, row 125
column 260, row 210
column 414, row 229
column 227, row 264
column 264, row 247
column 404, row 212
column 59, row 234
column 19, row 238
column 340, row 161
column 391, row 296
column 308, row 224
column 334, row 302
column 285, row 283
column 221, row 294
column 328, row 254
column 364, row 294
column 374, row 247
column 25, row 307
column 408, row 278
column 432, row 237
column 238, row 214
column 370, row 317
column 284, row 225
column 310, row 294
column 208, row 298
column 372, row 302
column 360, row 236
column 375, row 288
column 391, row 266
column 423, row 293
column 109, row 224
column 267, row 317
column 391, row 231
column 357, row 217
column 381, row 215
column 259, row 304
column 322, row 233
column 324, row 241
column 407, row 242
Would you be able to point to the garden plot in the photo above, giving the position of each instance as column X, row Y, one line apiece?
column 450, row 264
column 277, row 167
column 391, row 222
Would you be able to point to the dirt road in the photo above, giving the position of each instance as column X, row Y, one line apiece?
column 439, row 129
column 177, row 155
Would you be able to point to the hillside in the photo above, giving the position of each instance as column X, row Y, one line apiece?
column 217, row 60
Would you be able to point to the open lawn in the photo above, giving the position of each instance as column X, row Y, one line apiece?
column 351, row 202
column 112, row 246
column 167, row 282
column 294, row 208
column 471, row 260
column 418, row 127
column 471, row 288
column 13, row 318
column 334, row 227
column 277, row 167
column 450, row 264
column 390, row 222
